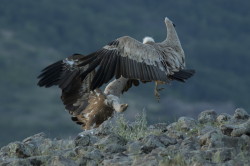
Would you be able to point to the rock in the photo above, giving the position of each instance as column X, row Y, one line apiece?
column 172, row 126
column 173, row 131
column 19, row 150
column 222, row 155
column 35, row 138
column 150, row 159
column 246, row 139
column 167, row 140
column 114, row 148
column 152, row 141
column 110, row 139
column 85, row 139
column 69, row 153
column 118, row 159
column 186, row 123
column 88, row 162
column 104, row 129
column 212, row 140
column 61, row 161
column 81, row 150
column 82, row 140
column 223, row 118
column 236, row 130
column 208, row 116
column 159, row 126
column 176, row 134
column 95, row 155
column 190, row 143
column 134, row 147
column 206, row 129
column 241, row 114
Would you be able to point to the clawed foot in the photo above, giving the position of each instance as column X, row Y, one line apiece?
column 120, row 107
column 123, row 107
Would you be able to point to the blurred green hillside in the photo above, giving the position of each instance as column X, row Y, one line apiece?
column 215, row 36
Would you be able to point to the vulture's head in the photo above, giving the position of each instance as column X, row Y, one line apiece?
column 168, row 21
column 148, row 40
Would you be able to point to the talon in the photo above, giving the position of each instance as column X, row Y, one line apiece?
column 123, row 107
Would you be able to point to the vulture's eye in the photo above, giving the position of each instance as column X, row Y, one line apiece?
column 173, row 24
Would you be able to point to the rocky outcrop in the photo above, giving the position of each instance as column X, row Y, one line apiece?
column 210, row 140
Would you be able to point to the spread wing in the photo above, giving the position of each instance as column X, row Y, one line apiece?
column 131, row 59
column 66, row 74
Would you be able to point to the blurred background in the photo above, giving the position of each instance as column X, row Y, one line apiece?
column 215, row 36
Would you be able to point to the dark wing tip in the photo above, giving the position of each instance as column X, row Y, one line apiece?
column 50, row 75
column 182, row 75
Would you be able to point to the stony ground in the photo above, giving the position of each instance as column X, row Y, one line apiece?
column 209, row 140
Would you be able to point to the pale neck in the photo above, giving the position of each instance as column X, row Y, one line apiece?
column 172, row 37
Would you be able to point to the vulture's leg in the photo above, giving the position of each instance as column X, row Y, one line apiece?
column 157, row 90
column 113, row 91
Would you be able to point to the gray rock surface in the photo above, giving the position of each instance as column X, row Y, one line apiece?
column 241, row 114
column 208, row 116
column 210, row 140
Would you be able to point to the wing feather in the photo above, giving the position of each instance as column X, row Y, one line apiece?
column 150, row 71
column 100, row 73
column 67, row 75
column 133, row 69
column 118, row 67
column 132, row 59
column 124, row 68
column 54, row 65
column 111, row 67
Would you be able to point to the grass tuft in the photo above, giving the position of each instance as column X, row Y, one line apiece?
column 132, row 130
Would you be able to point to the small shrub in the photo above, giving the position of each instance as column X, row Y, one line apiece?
column 131, row 130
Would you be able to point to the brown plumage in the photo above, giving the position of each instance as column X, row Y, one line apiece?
column 95, row 113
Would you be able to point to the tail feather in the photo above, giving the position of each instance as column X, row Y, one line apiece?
column 182, row 75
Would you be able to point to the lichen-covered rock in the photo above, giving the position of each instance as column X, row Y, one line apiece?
column 95, row 155
column 206, row 129
column 134, row 147
column 159, row 126
column 223, row 118
column 61, row 161
column 186, row 123
column 85, row 139
column 153, row 141
column 238, row 125
column 110, row 139
column 236, row 130
column 118, row 159
column 173, row 131
column 222, row 140
column 222, row 155
column 190, row 143
column 208, row 116
column 114, row 148
column 241, row 114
